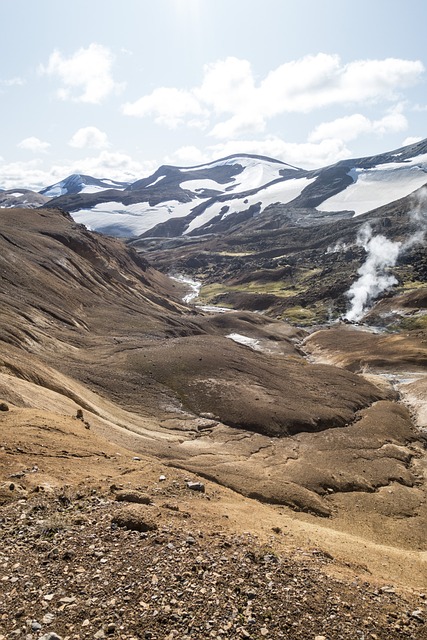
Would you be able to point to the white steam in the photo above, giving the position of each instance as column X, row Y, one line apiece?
column 382, row 255
column 419, row 217
column 338, row 247
column 374, row 276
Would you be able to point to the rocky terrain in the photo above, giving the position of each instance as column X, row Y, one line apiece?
column 11, row 198
column 294, row 264
column 170, row 472
column 97, row 543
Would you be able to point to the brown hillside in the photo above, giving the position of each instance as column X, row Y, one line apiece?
column 296, row 452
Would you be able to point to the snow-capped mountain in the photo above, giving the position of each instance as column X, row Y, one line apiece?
column 177, row 195
column 10, row 198
column 78, row 183
column 209, row 198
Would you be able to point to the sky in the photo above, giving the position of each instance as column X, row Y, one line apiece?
column 114, row 89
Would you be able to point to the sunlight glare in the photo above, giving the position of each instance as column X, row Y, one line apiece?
column 188, row 11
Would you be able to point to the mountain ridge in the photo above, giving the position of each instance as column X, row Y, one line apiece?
column 178, row 201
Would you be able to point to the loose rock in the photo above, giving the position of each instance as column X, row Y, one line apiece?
column 133, row 496
column 196, row 486
column 135, row 520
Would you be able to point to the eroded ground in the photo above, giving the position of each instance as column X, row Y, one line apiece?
column 305, row 441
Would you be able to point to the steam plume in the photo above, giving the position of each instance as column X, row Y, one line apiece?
column 374, row 277
column 382, row 254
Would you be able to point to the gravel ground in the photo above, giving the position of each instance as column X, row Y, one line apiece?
column 69, row 568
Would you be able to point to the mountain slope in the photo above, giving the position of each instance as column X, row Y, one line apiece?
column 91, row 324
column 11, row 198
column 299, row 264
column 66, row 291
column 177, row 201
column 97, row 354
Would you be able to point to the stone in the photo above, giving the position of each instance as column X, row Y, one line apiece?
column 133, row 496
column 196, row 486
column 50, row 636
column 418, row 615
column 134, row 519
column 4, row 406
column 48, row 618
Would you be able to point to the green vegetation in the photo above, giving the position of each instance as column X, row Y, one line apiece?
column 279, row 288
column 306, row 316
column 283, row 295
column 410, row 285
column 411, row 323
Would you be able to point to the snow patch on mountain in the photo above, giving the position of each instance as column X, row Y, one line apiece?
column 282, row 192
column 155, row 182
column 201, row 185
column 245, row 341
column 203, row 196
column 256, row 171
column 55, row 190
column 91, row 188
column 135, row 218
column 377, row 186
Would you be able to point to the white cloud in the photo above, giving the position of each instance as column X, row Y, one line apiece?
column 306, row 155
column 351, row 127
column 86, row 76
column 227, row 85
column 114, row 165
column 411, row 140
column 393, row 122
column 108, row 164
column 377, row 79
column 29, row 175
column 89, row 137
column 12, row 82
column 187, row 156
column 238, row 125
column 229, row 88
column 170, row 107
column 34, row 144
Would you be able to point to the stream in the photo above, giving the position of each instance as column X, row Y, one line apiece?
column 193, row 294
